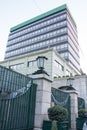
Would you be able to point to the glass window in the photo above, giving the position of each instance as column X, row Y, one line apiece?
column 32, row 63
column 68, row 72
column 59, row 66
column 17, row 66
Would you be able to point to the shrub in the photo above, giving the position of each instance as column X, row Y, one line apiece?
column 82, row 113
column 55, row 77
column 59, row 77
column 57, row 113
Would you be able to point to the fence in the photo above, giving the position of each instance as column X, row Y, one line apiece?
column 17, row 101
column 11, row 80
column 81, row 103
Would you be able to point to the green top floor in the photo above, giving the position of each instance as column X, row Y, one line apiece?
column 53, row 11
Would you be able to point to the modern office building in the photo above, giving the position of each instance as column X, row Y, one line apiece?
column 53, row 29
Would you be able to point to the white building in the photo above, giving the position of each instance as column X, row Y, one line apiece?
column 55, row 66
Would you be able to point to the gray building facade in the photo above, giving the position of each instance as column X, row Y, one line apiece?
column 53, row 29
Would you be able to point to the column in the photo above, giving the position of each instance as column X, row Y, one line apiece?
column 74, row 108
column 43, row 99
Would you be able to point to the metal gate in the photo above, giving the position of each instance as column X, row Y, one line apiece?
column 17, row 101
column 63, row 99
column 81, row 103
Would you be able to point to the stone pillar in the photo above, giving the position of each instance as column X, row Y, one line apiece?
column 43, row 99
column 74, row 108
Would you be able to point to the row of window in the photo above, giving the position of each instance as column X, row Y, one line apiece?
column 62, row 47
column 68, row 56
column 36, row 39
column 76, row 56
column 65, row 55
column 38, row 26
column 73, row 61
column 59, row 48
column 17, row 66
column 77, row 68
column 39, row 32
column 73, row 45
column 39, row 21
column 47, row 43
column 33, row 63
column 61, row 67
column 73, row 39
column 72, row 25
column 72, row 33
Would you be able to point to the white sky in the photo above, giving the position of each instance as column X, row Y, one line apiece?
column 13, row 12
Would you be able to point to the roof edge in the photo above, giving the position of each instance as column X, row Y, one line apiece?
column 62, row 7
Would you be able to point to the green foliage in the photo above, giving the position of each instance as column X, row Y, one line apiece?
column 57, row 113
column 54, row 125
column 82, row 113
column 83, row 74
column 63, row 76
column 55, row 77
column 59, row 77
column 67, row 75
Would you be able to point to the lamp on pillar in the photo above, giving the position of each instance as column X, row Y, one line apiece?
column 70, row 84
column 40, row 64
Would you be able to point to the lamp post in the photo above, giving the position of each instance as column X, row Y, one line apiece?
column 70, row 83
column 40, row 64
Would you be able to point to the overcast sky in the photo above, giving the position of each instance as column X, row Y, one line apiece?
column 13, row 12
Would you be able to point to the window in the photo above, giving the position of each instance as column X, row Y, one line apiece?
column 59, row 66
column 32, row 63
column 17, row 66
column 68, row 72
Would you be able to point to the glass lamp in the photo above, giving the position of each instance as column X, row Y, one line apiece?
column 41, row 62
column 70, row 83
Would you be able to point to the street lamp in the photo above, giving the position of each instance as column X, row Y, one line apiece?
column 41, row 61
column 70, row 83
column 40, row 64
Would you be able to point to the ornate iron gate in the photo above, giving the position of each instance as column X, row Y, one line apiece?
column 17, row 101
column 81, row 103
column 63, row 99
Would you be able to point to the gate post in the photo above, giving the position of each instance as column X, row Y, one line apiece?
column 74, row 107
column 43, row 99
